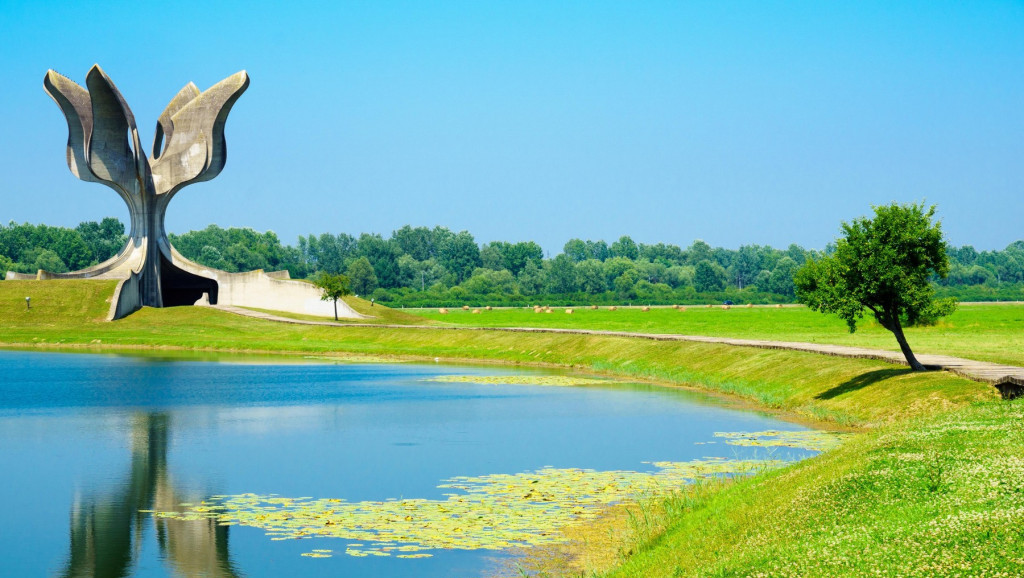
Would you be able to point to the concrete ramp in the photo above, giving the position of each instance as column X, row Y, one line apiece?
column 277, row 292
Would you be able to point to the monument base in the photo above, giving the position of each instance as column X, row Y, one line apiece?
column 275, row 291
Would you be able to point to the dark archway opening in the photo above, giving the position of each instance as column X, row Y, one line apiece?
column 183, row 288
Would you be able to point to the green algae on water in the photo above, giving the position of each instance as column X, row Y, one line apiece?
column 494, row 512
column 554, row 380
column 814, row 440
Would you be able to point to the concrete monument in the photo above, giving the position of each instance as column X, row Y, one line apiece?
column 189, row 147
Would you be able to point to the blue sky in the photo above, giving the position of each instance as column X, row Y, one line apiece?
column 733, row 122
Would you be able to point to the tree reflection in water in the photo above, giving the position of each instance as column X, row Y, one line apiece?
column 107, row 527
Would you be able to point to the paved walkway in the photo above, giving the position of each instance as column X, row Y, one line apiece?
column 1007, row 378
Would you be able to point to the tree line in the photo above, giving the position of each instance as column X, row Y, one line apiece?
column 27, row 248
column 422, row 266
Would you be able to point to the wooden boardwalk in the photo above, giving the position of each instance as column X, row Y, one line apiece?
column 1009, row 379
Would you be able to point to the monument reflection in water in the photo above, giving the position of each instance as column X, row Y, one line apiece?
column 107, row 527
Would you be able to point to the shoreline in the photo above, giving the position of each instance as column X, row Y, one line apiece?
column 580, row 536
column 750, row 523
column 725, row 399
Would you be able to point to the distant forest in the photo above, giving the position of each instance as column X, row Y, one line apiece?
column 420, row 266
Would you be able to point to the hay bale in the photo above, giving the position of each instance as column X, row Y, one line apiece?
column 645, row 308
column 726, row 307
column 476, row 312
column 594, row 307
column 488, row 308
column 749, row 305
column 537, row 310
column 682, row 308
column 569, row 311
column 778, row 305
column 465, row 307
column 675, row 307
column 548, row 311
column 709, row 306
column 612, row 308
column 443, row 311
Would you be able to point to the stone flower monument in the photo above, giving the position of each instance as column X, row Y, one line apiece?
column 189, row 147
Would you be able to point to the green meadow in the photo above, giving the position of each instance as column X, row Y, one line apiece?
column 985, row 332
column 931, row 484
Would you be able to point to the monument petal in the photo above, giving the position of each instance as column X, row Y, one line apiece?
column 76, row 105
column 195, row 149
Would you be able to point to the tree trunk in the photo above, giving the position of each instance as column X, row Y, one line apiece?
column 897, row 330
column 336, row 311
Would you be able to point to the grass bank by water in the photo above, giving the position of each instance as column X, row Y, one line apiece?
column 933, row 486
column 853, row 392
column 936, row 496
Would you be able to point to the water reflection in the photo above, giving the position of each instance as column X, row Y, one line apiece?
column 107, row 527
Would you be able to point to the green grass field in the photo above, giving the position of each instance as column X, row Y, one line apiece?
column 982, row 332
column 932, row 486
column 938, row 496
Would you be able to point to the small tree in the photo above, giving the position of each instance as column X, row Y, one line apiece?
column 332, row 287
column 882, row 264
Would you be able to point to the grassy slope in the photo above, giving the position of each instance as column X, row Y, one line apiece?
column 938, row 496
column 982, row 332
column 378, row 313
column 849, row 391
column 934, row 488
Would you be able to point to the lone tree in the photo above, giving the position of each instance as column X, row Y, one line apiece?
column 882, row 264
column 332, row 288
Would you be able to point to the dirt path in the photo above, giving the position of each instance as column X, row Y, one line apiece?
column 1008, row 378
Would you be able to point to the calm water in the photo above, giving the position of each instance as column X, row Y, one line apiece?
column 86, row 441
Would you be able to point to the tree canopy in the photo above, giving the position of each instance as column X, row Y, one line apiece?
column 332, row 287
column 421, row 266
column 883, row 264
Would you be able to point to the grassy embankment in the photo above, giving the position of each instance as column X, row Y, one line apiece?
column 855, row 392
column 983, row 332
column 934, row 485
column 935, row 496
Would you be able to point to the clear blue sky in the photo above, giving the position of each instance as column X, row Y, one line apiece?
column 733, row 122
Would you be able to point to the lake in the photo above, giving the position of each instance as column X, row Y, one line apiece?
column 144, row 466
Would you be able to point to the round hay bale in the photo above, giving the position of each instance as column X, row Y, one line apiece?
column 465, row 307
column 569, row 311
column 548, row 311
column 594, row 307
column 682, row 308
column 443, row 311
column 709, row 306
column 675, row 307
column 476, row 312
column 778, row 305
column 645, row 308
column 726, row 307
column 612, row 308
column 488, row 308
column 749, row 305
